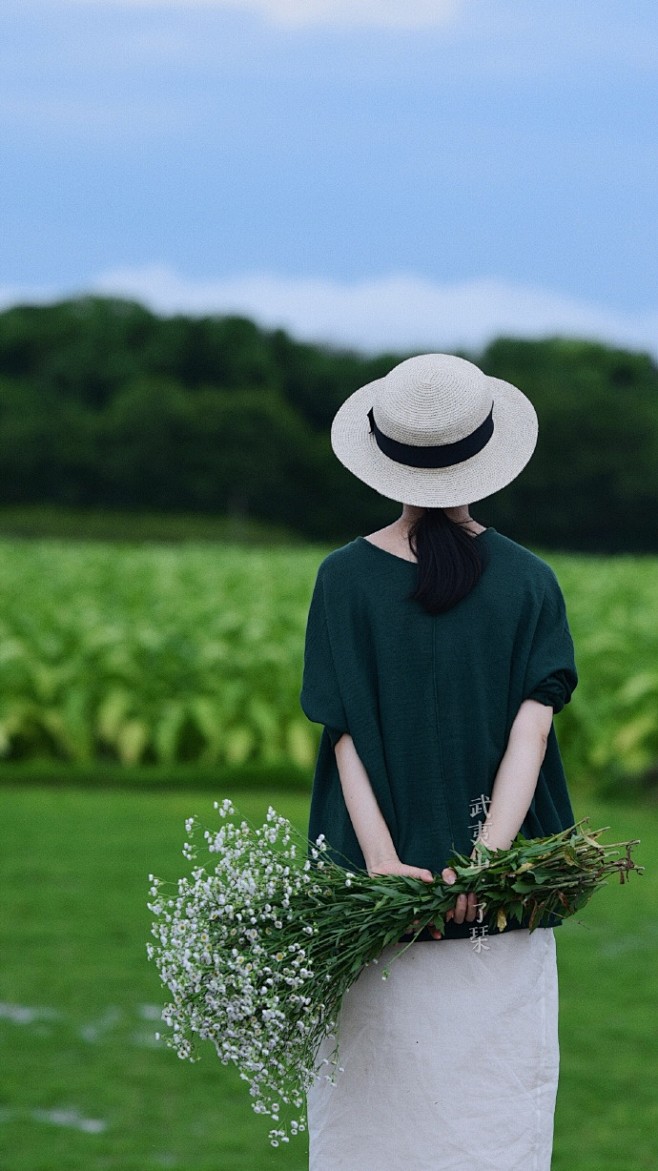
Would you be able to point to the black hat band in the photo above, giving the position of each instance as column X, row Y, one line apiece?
column 441, row 455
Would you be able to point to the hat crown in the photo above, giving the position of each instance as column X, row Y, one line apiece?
column 432, row 399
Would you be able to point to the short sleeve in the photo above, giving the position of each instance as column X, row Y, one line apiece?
column 320, row 696
column 551, row 675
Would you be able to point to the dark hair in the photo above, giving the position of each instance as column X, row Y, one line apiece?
column 450, row 561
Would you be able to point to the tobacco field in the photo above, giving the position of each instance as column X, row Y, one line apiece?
column 192, row 654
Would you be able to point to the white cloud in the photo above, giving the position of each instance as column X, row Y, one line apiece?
column 401, row 312
column 297, row 13
column 387, row 13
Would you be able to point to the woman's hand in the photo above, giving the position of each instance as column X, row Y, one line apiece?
column 395, row 866
column 465, row 907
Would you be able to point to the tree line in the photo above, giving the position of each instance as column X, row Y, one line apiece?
column 104, row 404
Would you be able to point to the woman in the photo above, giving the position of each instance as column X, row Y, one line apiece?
column 437, row 652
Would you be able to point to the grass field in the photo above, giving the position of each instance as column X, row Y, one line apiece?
column 87, row 1088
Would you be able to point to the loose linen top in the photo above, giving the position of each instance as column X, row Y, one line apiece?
column 429, row 700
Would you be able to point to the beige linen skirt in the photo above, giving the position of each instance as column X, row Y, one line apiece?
column 450, row 1064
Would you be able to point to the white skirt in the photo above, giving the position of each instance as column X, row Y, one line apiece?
column 450, row 1064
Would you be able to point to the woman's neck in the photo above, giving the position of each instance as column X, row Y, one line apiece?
column 395, row 537
column 410, row 513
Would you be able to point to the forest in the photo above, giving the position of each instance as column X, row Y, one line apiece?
column 106, row 405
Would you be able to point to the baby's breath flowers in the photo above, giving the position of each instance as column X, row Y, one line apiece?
column 258, row 947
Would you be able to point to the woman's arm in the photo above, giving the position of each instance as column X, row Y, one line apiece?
column 373, row 834
column 511, row 795
column 517, row 776
column 371, row 830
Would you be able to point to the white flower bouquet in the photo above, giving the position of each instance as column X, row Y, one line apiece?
column 258, row 947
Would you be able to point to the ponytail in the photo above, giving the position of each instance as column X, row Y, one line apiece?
column 450, row 561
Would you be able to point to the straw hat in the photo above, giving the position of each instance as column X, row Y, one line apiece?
column 435, row 432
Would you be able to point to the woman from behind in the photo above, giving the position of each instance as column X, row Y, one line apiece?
column 437, row 653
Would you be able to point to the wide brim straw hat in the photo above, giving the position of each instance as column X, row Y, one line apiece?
column 435, row 432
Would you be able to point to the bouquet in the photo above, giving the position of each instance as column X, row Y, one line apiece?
column 258, row 947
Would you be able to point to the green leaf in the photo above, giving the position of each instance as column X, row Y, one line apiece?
column 132, row 741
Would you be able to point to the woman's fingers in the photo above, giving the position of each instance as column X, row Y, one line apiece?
column 413, row 927
column 400, row 868
column 415, row 872
column 465, row 908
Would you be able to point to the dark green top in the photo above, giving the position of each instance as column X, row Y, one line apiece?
column 430, row 700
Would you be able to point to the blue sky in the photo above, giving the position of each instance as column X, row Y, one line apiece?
column 376, row 172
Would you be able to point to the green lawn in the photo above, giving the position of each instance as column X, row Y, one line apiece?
column 86, row 1087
